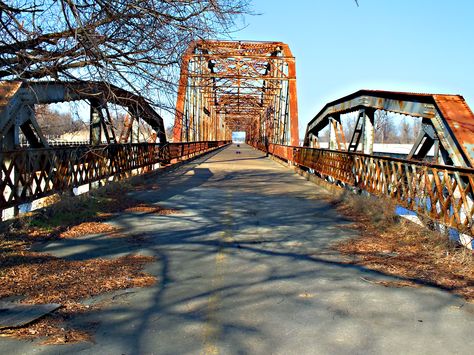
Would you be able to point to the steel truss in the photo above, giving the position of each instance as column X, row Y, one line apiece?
column 442, row 190
column 442, row 193
column 447, row 124
column 17, row 100
column 228, row 86
column 30, row 174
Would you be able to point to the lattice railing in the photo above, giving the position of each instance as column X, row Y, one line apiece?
column 443, row 193
column 29, row 174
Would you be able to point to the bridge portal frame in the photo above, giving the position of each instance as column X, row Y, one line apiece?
column 447, row 123
column 19, row 97
column 230, row 86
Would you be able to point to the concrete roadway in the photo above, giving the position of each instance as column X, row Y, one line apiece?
column 247, row 268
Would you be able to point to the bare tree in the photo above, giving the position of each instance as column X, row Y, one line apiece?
column 416, row 129
column 348, row 123
column 169, row 133
column 405, row 132
column 385, row 130
column 135, row 44
column 54, row 123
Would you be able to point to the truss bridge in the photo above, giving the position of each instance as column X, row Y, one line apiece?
column 244, row 86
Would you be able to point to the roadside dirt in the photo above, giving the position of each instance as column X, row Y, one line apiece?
column 401, row 248
column 38, row 278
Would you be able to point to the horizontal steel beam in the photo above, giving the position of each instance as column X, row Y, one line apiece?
column 449, row 115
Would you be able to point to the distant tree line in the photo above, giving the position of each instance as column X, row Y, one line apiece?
column 54, row 123
column 389, row 128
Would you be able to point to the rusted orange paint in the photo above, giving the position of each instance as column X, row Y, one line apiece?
column 239, row 83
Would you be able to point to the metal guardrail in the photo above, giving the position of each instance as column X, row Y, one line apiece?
column 53, row 143
column 442, row 193
column 29, row 174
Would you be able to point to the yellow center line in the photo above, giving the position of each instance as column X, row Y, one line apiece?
column 212, row 328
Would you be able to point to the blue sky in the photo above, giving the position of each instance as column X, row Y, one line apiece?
column 402, row 45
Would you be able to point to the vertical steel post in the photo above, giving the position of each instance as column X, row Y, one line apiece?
column 183, row 81
column 369, row 132
column 95, row 124
column 135, row 130
column 332, row 134
column 294, row 134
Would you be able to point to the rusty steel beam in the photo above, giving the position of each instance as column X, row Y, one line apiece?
column 230, row 86
column 442, row 193
column 30, row 174
column 448, row 122
column 18, row 98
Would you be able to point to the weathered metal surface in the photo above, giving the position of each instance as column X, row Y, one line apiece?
column 230, row 86
column 7, row 91
column 442, row 193
column 29, row 174
column 460, row 120
column 18, row 98
column 449, row 115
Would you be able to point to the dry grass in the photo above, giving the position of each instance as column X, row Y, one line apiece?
column 45, row 279
column 398, row 247
column 66, row 218
column 42, row 278
column 88, row 228
column 397, row 284
column 52, row 330
column 74, row 216
column 151, row 209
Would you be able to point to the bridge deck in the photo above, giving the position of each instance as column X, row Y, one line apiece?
column 246, row 267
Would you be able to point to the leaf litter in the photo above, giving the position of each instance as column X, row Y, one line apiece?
column 398, row 247
column 41, row 278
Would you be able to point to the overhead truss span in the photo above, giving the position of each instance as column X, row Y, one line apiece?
column 228, row 86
